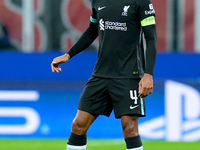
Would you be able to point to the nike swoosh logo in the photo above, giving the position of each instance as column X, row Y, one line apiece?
column 132, row 107
column 100, row 8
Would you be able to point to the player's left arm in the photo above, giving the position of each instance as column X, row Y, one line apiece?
column 149, row 29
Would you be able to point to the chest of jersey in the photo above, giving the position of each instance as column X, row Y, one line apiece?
column 117, row 15
column 123, row 11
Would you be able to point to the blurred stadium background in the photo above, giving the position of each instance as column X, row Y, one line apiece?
column 35, row 103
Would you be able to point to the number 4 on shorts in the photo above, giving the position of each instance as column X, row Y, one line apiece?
column 133, row 96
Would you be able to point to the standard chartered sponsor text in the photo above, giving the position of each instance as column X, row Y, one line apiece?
column 115, row 26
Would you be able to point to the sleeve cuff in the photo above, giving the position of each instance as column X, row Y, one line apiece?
column 93, row 20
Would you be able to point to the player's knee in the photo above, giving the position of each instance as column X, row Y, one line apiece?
column 79, row 126
column 130, row 128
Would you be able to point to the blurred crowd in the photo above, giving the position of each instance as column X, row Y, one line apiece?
column 4, row 38
column 59, row 24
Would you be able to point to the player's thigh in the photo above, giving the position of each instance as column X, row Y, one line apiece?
column 94, row 98
column 83, row 119
column 129, row 121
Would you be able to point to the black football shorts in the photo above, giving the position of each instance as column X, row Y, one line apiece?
column 102, row 95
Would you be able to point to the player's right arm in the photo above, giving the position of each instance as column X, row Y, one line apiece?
column 87, row 37
column 84, row 41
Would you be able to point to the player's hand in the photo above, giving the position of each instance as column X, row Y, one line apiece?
column 145, row 85
column 57, row 61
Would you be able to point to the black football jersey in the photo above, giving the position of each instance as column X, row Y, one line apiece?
column 121, row 53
